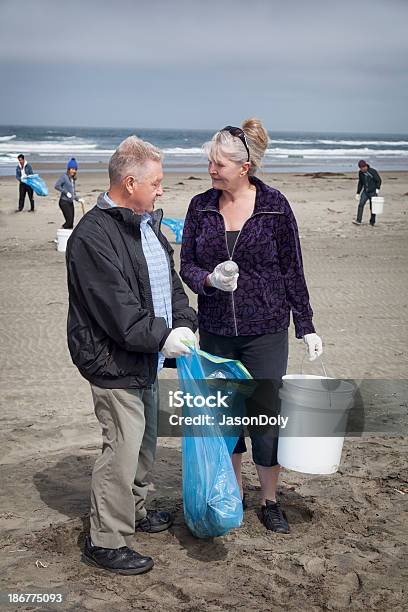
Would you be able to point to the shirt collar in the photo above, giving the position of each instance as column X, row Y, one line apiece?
column 145, row 218
column 109, row 200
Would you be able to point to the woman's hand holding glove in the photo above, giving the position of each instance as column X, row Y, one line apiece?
column 174, row 345
column 314, row 345
column 220, row 281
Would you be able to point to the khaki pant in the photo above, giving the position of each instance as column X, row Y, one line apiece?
column 119, row 488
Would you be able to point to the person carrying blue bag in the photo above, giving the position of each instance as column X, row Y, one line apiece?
column 128, row 316
column 23, row 170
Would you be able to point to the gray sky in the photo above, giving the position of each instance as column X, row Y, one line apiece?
column 299, row 65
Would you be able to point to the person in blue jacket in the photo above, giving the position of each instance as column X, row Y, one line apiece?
column 66, row 186
column 24, row 169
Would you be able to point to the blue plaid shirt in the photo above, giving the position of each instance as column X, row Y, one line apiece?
column 159, row 271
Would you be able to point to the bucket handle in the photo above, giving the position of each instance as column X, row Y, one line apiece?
column 324, row 372
column 320, row 361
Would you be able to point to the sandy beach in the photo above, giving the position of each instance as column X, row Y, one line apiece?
column 348, row 543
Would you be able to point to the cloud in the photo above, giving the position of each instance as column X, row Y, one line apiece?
column 188, row 62
column 196, row 33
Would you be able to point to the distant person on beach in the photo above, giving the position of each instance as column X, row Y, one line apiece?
column 127, row 312
column 24, row 169
column 369, row 183
column 66, row 186
column 246, row 316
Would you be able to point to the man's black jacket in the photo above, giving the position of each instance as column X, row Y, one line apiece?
column 113, row 336
column 369, row 180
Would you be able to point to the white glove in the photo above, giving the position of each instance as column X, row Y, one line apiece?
column 69, row 195
column 81, row 200
column 174, row 345
column 314, row 345
column 357, row 196
column 377, row 191
column 225, row 283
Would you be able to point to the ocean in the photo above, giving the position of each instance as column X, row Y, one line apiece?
column 287, row 151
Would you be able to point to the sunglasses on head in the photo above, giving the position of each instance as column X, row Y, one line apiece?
column 238, row 133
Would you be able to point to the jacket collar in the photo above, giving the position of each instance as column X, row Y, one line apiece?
column 262, row 202
column 127, row 216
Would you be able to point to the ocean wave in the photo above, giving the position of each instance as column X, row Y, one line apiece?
column 7, row 138
column 356, row 143
column 32, row 146
column 181, row 151
column 84, row 153
column 322, row 153
column 296, row 142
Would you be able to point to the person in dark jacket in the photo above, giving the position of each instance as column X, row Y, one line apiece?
column 24, row 169
column 66, row 186
column 369, row 183
column 246, row 316
column 128, row 312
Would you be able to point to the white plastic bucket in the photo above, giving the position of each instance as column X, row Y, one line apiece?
column 377, row 205
column 62, row 239
column 313, row 406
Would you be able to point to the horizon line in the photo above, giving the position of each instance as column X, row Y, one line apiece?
column 109, row 127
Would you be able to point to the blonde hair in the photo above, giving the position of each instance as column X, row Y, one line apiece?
column 223, row 144
column 130, row 158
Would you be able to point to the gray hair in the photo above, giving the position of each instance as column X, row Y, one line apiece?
column 130, row 158
column 223, row 144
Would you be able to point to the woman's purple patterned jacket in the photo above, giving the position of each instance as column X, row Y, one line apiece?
column 271, row 280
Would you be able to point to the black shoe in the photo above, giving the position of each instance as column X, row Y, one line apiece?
column 117, row 560
column 31, row 210
column 372, row 224
column 19, row 210
column 356, row 222
column 274, row 518
column 155, row 522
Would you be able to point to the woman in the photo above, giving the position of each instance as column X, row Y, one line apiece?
column 66, row 186
column 246, row 316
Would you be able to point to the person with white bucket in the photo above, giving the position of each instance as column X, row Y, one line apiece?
column 369, row 183
column 66, row 186
column 245, row 314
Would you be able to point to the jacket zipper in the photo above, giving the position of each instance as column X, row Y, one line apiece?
column 233, row 249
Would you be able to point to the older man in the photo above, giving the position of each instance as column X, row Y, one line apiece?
column 127, row 313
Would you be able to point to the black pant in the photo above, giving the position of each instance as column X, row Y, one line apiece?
column 266, row 359
column 68, row 211
column 25, row 189
column 363, row 200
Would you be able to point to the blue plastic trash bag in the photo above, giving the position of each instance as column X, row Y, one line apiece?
column 211, row 495
column 36, row 182
column 177, row 226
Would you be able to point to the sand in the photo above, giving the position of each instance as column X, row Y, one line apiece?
column 348, row 543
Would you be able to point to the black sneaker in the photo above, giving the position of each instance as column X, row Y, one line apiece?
column 155, row 521
column 117, row 560
column 274, row 518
